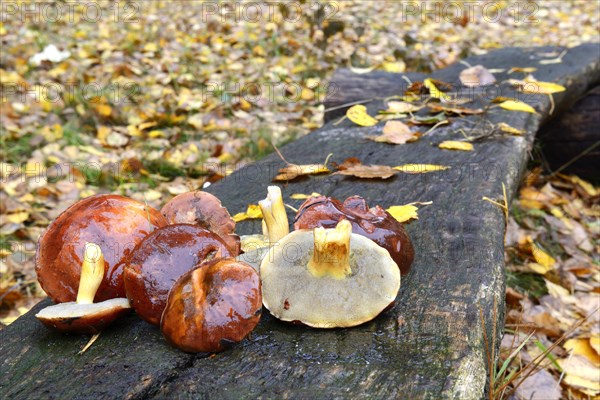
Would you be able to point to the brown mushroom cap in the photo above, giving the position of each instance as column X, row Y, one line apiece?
column 83, row 318
column 160, row 259
column 349, row 282
column 116, row 223
column 203, row 209
column 213, row 306
column 374, row 223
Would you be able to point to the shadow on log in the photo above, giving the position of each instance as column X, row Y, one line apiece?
column 571, row 142
column 430, row 345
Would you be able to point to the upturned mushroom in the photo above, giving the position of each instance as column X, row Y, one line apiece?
column 213, row 306
column 275, row 226
column 205, row 210
column 115, row 223
column 328, row 278
column 160, row 259
column 374, row 223
column 84, row 316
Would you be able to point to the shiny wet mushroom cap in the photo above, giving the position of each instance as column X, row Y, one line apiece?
column 115, row 223
column 213, row 306
column 328, row 278
column 160, row 259
column 84, row 316
column 205, row 210
column 374, row 223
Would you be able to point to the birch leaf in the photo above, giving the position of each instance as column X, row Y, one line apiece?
column 516, row 105
column 434, row 91
column 253, row 212
column 292, row 171
column 358, row 114
column 504, row 127
column 455, row 145
column 395, row 132
column 420, row 168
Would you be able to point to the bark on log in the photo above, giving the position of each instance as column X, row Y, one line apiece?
column 430, row 345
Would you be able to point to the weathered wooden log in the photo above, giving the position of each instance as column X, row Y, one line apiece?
column 347, row 87
column 571, row 141
column 430, row 345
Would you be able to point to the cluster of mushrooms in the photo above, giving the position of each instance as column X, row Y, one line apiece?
column 184, row 269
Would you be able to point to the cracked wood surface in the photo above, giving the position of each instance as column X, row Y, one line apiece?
column 430, row 345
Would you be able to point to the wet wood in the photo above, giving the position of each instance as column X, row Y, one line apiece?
column 430, row 345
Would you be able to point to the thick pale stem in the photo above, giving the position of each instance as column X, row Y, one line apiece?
column 92, row 272
column 274, row 214
column 331, row 256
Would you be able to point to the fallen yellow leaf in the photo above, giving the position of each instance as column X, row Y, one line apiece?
column 301, row 196
column 536, row 87
column 434, row 91
column 541, row 257
column 293, row 171
column 585, row 185
column 151, row 47
column 595, row 343
column 253, row 212
column 504, row 127
column 420, row 168
column 403, row 213
column 581, row 373
column 517, row 105
column 408, row 211
column 5, row 252
column 539, row 268
column 102, row 133
column 396, row 67
column 16, row 218
column 582, row 347
column 525, row 70
column 103, row 109
column 455, row 145
column 358, row 114
column 368, row 171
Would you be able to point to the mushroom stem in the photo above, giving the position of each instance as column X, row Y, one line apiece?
column 274, row 215
column 331, row 255
column 92, row 272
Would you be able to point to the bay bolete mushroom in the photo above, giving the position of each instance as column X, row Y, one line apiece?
column 213, row 306
column 84, row 316
column 327, row 278
column 275, row 226
column 115, row 223
column 205, row 210
column 160, row 259
column 374, row 223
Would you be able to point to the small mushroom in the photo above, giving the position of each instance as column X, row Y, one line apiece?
column 84, row 316
column 115, row 223
column 374, row 223
column 203, row 209
column 213, row 306
column 275, row 226
column 160, row 259
column 327, row 278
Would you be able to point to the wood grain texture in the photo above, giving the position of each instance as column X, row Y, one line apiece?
column 430, row 345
